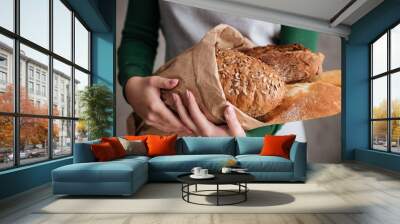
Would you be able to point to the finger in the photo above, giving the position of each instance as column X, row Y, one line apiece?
column 196, row 114
column 233, row 123
column 169, row 120
column 183, row 114
column 163, row 83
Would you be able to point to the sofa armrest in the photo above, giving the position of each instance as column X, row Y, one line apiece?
column 298, row 155
column 83, row 152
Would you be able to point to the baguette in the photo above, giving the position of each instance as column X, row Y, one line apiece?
column 293, row 62
column 333, row 77
column 304, row 101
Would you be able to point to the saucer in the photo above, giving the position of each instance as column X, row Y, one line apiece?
column 208, row 176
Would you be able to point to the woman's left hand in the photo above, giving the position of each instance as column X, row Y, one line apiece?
column 191, row 115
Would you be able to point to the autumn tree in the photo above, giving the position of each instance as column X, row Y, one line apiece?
column 33, row 131
column 379, row 128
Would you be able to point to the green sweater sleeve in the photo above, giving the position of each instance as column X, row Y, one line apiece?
column 288, row 35
column 291, row 35
column 139, row 42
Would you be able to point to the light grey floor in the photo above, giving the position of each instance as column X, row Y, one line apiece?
column 353, row 182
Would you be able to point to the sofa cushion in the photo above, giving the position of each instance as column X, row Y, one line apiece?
column 249, row 145
column 83, row 152
column 112, row 171
column 277, row 145
column 103, row 152
column 207, row 145
column 257, row 163
column 161, row 145
column 185, row 163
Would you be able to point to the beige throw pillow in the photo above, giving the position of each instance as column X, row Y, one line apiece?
column 134, row 147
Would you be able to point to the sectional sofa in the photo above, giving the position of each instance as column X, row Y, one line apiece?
column 125, row 176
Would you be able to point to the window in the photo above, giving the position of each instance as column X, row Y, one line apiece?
column 37, row 89
column 3, row 78
column 385, row 92
column 30, row 72
column 30, row 87
column 48, row 78
column 44, row 91
column 3, row 72
column 7, row 14
column 3, row 61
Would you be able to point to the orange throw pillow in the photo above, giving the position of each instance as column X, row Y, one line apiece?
column 277, row 145
column 116, row 145
column 136, row 137
column 103, row 152
column 161, row 145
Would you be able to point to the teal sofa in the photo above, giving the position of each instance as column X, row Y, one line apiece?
column 125, row 176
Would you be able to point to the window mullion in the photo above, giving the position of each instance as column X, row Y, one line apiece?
column 16, row 84
column 371, row 140
column 389, row 101
column 73, row 83
column 50, row 81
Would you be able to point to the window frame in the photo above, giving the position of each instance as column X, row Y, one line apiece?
column 388, row 74
column 16, row 115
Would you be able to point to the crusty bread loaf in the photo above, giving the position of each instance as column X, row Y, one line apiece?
column 293, row 62
column 333, row 77
column 305, row 101
column 249, row 84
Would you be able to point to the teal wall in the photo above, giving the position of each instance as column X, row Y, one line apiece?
column 356, row 101
column 99, row 15
column 103, row 51
column 24, row 178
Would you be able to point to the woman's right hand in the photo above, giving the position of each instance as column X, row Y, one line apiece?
column 143, row 94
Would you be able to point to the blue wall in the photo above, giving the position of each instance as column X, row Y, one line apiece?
column 355, row 66
column 103, row 51
column 24, row 178
column 99, row 15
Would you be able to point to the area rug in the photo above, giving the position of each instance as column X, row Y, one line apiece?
column 166, row 198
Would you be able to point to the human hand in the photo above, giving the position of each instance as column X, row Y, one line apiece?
column 193, row 118
column 143, row 94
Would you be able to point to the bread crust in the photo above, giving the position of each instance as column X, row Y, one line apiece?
column 251, row 85
column 305, row 101
column 333, row 77
column 293, row 62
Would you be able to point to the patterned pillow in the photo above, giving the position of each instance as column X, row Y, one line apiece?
column 134, row 147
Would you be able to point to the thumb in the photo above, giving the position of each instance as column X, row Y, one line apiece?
column 163, row 83
column 233, row 123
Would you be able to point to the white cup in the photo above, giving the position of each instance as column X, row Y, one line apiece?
column 196, row 171
column 226, row 170
column 203, row 172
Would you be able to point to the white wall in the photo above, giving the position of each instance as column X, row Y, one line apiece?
column 323, row 135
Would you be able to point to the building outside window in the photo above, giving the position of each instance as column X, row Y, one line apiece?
column 30, row 72
column 30, row 87
column 385, row 94
column 3, row 72
column 59, row 127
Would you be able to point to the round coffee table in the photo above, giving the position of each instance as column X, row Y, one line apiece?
column 238, row 179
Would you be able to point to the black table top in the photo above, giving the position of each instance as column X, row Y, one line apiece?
column 220, row 178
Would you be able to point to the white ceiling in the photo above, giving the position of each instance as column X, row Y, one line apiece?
column 327, row 16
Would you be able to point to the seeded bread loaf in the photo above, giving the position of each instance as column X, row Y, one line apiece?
column 249, row 84
column 293, row 62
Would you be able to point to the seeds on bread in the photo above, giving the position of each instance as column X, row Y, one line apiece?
column 251, row 85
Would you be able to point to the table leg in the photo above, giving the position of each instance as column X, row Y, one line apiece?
column 188, row 189
column 195, row 188
column 217, row 194
column 245, row 193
